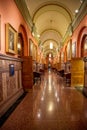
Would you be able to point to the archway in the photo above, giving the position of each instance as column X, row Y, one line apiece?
column 20, row 45
column 84, row 46
column 22, row 34
column 81, row 42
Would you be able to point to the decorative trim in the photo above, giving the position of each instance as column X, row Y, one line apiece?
column 50, row 40
column 80, row 15
column 7, row 70
column 24, row 11
column 54, row 4
column 6, row 57
column 11, row 39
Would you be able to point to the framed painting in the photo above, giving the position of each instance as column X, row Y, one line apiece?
column 30, row 47
column 34, row 52
column 11, row 39
column 69, row 50
column 74, row 50
column 62, row 57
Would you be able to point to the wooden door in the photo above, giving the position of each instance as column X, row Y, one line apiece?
column 27, row 73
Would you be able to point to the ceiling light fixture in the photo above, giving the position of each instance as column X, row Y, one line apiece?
column 51, row 45
column 76, row 11
column 38, row 35
column 81, row 1
column 50, row 55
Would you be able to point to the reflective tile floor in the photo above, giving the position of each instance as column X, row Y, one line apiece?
column 50, row 106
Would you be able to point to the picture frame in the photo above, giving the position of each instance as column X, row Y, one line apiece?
column 62, row 57
column 69, row 50
column 11, row 39
column 34, row 52
column 74, row 50
column 30, row 47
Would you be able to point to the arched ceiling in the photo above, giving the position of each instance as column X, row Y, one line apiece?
column 51, row 19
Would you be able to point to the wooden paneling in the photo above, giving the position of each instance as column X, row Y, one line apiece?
column 85, row 76
column 27, row 72
column 10, row 85
column 77, row 72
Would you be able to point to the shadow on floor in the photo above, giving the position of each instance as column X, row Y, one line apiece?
column 11, row 109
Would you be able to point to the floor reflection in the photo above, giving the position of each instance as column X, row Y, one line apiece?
column 50, row 105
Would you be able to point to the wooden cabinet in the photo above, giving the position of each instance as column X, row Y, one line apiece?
column 85, row 77
column 77, row 72
column 27, row 72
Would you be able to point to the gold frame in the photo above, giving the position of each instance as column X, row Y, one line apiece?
column 11, row 39
column 30, row 47
column 69, row 49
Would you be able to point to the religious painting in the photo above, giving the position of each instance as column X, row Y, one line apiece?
column 11, row 39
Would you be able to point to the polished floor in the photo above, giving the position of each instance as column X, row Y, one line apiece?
column 50, row 106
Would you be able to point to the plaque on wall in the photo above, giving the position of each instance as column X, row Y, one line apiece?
column 11, row 69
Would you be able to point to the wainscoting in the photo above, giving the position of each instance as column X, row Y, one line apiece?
column 10, row 81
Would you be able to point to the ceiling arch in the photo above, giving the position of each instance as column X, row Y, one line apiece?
column 50, row 40
column 52, row 7
column 52, row 19
column 49, row 51
column 51, row 34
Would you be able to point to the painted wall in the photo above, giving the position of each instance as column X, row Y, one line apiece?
column 79, row 33
column 10, row 14
column 11, row 86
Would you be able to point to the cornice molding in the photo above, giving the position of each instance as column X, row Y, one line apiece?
column 25, row 12
column 80, row 15
column 10, row 58
column 76, row 21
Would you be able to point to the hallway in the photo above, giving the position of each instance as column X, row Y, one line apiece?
column 50, row 106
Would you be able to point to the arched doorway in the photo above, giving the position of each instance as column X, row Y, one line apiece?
column 84, row 46
column 20, row 45
column 81, row 42
column 22, row 41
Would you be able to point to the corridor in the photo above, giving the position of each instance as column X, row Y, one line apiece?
column 50, row 106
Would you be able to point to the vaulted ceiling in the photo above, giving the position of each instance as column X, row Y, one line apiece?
column 51, row 20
